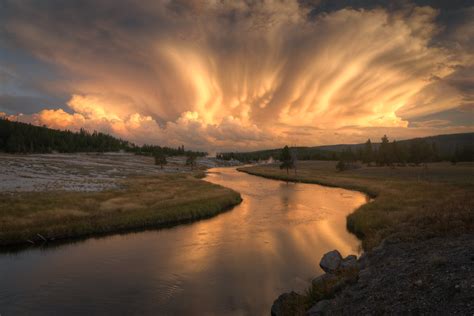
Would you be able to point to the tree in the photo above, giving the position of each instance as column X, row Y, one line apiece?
column 395, row 152
column 384, row 157
column 368, row 154
column 347, row 155
column 346, row 160
column 191, row 160
column 160, row 159
column 464, row 153
column 285, row 158
column 294, row 159
column 415, row 152
column 341, row 165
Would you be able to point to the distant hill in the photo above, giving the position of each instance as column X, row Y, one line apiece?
column 446, row 146
column 17, row 137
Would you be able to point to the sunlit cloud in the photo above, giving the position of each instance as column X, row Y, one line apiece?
column 234, row 75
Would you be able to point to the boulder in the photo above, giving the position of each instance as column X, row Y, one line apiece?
column 349, row 264
column 288, row 304
column 350, row 257
column 331, row 261
column 320, row 308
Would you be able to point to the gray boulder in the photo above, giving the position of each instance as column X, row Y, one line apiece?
column 349, row 264
column 331, row 261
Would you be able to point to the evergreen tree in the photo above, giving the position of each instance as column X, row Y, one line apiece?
column 368, row 154
column 294, row 159
column 341, row 165
column 191, row 160
column 285, row 158
column 415, row 153
column 383, row 156
column 160, row 159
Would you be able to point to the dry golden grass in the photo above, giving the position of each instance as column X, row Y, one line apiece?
column 144, row 202
column 410, row 202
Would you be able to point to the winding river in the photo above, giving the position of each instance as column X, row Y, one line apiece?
column 236, row 263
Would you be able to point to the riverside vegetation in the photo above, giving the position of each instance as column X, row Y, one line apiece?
column 410, row 205
column 32, row 217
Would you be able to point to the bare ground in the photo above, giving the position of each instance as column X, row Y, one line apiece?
column 430, row 277
column 83, row 172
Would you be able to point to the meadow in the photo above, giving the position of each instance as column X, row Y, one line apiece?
column 141, row 202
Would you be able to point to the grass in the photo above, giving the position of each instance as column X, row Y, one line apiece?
column 144, row 202
column 409, row 203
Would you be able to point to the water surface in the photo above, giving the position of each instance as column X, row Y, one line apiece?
column 236, row 263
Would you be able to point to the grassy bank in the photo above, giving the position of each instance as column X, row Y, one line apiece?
column 144, row 202
column 410, row 202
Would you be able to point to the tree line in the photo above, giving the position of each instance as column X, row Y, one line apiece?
column 155, row 150
column 17, row 137
column 455, row 148
column 23, row 138
column 301, row 152
column 417, row 151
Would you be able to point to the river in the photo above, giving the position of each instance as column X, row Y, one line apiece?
column 236, row 263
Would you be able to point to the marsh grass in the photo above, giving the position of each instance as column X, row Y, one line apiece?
column 143, row 202
column 409, row 202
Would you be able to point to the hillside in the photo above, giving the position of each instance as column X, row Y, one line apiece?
column 23, row 138
column 446, row 146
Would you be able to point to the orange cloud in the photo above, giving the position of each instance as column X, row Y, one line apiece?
column 240, row 75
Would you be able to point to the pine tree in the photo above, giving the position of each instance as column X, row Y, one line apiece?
column 286, row 161
column 160, row 159
column 368, row 154
column 191, row 160
column 383, row 157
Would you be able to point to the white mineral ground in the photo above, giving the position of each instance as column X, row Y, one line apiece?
column 84, row 172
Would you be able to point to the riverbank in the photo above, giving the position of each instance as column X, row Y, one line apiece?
column 409, row 202
column 52, row 198
column 425, row 218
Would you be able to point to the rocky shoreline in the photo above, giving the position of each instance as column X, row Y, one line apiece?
column 426, row 277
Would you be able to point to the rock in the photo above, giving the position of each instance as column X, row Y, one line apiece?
column 349, row 267
column 349, row 261
column 288, row 304
column 418, row 283
column 321, row 308
column 331, row 261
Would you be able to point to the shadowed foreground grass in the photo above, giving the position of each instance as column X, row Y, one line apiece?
column 144, row 202
column 410, row 202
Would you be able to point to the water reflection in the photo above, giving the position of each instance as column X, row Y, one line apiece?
column 235, row 263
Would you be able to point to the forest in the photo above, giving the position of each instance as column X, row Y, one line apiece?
column 454, row 148
column 23, row 138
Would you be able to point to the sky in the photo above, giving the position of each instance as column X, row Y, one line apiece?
column 240, row 75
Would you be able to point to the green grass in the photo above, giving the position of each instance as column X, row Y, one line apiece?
column 409, row 202
column 144, row 202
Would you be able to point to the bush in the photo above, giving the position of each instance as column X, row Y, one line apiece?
column 341, row 166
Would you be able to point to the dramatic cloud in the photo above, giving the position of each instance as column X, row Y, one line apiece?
column 239, row 75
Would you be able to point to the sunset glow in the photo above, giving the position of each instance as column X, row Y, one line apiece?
column 230, row 75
